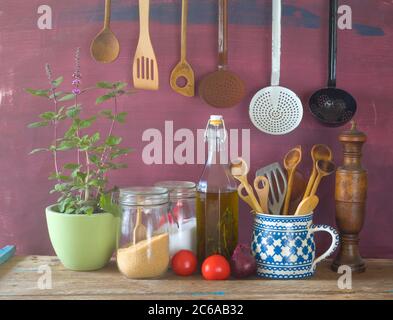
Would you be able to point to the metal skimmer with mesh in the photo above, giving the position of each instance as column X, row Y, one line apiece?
column 276, row 110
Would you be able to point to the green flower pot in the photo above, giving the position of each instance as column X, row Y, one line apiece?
column 82, row 242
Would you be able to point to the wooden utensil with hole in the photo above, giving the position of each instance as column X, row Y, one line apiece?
column 262, row 192
column 324, row 168
column 222, row 88
column 239, row 170
column 105, row 47
column 145, row 66
column 318, row 152
column 140, row 231
column 183, row 68
column 291, row 161
column 243, row 194
column 307, row 205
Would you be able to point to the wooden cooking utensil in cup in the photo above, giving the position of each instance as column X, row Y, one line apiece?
column 291, row 161
column 298, row 188
column 318, row 152
column 324, row 168
column 145, row 67
column 239, row 170
column 140, row 231
column 183, row 69
column 307, row 205
column 243, row 194
column 222, row 88
column 331, row 106
column 262, row 192
column 105, row 47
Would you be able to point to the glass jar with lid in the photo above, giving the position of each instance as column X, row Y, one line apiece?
column 181, row 215
column 143, row 248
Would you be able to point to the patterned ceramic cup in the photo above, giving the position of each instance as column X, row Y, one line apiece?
column 284, row 246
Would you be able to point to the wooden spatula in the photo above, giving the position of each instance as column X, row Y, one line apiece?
column 145, row 67
column 307, row 205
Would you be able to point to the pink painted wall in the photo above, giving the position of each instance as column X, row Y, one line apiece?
column 365, row 69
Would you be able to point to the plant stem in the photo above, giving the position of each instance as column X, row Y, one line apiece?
column 53, row 91
column 77, row 133
column 104, row 156
column 87, row 176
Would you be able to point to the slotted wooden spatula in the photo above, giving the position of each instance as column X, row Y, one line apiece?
column 145, row 67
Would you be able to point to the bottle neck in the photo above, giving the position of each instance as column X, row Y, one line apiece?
column 217, row 151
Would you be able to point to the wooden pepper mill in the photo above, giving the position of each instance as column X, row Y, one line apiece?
column 350, row 195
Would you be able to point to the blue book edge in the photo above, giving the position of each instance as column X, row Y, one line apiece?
column 6, row 253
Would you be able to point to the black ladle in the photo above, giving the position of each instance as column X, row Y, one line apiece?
column 333, row 107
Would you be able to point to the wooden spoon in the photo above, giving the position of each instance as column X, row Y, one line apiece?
column 318, row 152
column 183, row 68
column 307, row 206
column 105, row 47
column 263, row 193
column 140, row 231
column 239, row 170
column 324, row 168
column 291, row 161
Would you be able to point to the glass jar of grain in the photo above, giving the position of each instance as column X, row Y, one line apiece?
column 143, row 249
column 181, row 215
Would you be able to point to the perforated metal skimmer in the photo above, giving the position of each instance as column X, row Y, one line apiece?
column 276, row 110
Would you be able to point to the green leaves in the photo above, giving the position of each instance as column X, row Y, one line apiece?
column 115, row 90
column 38, row 124
column 113, row 141
column 57, row 82
column 120, row 117
column 105, row 97
column 73, row 111
column 107, row 205
column 82, row 181
column 67, row 97
column 38, row 93
column 104, row 85
column 38, row 150
column 49, row 115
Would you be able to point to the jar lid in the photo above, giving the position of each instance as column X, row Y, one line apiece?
column 178, row 189
column 143, row 196
column 353, row 135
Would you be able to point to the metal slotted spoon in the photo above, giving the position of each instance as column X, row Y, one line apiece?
column 276, row 110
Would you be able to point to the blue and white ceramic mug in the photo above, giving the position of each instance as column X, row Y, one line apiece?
column 284, row 246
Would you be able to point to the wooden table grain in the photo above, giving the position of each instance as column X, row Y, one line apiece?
column 22, row 278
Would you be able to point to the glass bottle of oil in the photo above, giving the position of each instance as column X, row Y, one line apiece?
column 217, row 199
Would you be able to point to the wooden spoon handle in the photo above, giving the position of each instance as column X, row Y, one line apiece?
column 316, row 184
column 291, row 175
column 222, row 34
column 310, row 181
column 184, row 13
column 144, row 7
column 107, row 19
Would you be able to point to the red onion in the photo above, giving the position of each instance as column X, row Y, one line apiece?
column 243, row 264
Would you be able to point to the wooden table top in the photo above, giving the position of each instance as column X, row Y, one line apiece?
column 20, row 279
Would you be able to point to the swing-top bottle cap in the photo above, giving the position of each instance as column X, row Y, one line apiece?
column 216, row 119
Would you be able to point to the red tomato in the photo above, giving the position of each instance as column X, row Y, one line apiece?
column 216, row 267
column 184, row 263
